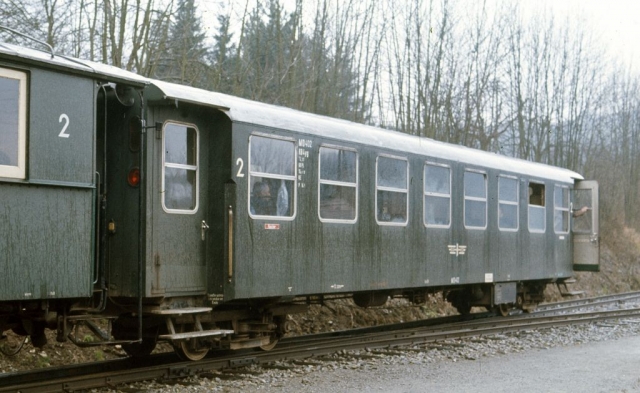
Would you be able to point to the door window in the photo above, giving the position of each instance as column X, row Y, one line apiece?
column 583, row 215
column 180, row 168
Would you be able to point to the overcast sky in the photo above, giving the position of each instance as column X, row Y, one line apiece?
column 616, row 23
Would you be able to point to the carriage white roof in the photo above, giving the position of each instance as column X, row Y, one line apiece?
column 72, row 64
column 252, row 112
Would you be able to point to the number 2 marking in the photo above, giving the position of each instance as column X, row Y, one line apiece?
column 63, row 133
column 241, row 163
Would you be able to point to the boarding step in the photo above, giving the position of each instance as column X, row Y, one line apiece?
column 181, row 311
column 564, row 289
column 196, row 334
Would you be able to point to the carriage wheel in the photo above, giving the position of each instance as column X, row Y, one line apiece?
column 504, row 309
column 191, row 349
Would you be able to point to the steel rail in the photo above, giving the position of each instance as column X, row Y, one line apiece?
column 589, row 302
column 165, row 366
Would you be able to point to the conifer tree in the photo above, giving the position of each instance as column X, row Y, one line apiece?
column 185, row 60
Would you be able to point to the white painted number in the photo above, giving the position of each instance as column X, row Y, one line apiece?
column 63, row 133
column 241, row 163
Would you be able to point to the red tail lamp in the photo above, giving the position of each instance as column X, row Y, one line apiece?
column 134, row 177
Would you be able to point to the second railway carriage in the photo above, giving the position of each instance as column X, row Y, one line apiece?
column 356, row 209
column 204, row 219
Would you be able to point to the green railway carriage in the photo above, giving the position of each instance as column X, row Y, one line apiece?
column 203, row 219
column 372, row 210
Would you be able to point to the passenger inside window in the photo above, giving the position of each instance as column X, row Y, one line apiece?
column 272, row 177
column 261, row 202
column 393, row 207
column 583, row 222
column 537, row 221
column 536, row 194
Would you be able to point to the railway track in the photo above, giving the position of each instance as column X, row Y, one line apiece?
column 417, row 333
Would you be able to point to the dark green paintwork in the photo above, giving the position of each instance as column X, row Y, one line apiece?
column 46, row 220
column 306, row 256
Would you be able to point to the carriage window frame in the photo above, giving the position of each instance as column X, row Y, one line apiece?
column 393, row 189
column 472, row 198
column 508, row 202
column 18, row 171
column 435, row 194
column 563, row 210
column 293, row 178
column 542, row 205
column 194, row 168
column 354, row 185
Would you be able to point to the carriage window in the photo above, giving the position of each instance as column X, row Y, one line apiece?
column 392, row 190
column 537, row 219
column 272, row 177
column 561, row 209
column 337, row 195
column 507, row 203
column 180, row 156
column 475, row 200
column 13, row 112
column 583, row 223
column 437, row 196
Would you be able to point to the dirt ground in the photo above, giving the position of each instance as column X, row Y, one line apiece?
column 620, row 272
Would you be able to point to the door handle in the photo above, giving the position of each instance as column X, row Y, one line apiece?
column 203, row 228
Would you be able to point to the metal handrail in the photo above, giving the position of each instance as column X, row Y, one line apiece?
column 29, row 37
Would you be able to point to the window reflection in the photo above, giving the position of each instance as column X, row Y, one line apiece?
column 437, row 195
column 561, row 209
column 475, row 200
column 9, row 94
column 338, row 185
column 507, row 203
column 13, row 108
column 392, row 190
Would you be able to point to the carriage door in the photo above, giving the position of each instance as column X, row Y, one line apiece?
column 586, row 236
column 179, row 225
